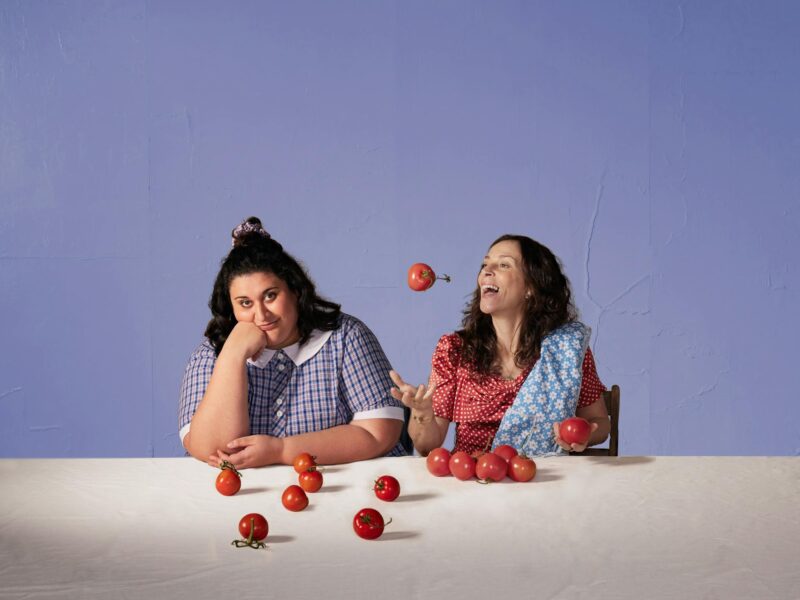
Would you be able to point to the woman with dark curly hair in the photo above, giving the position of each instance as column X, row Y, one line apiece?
column 520, row 365
column 283, row 371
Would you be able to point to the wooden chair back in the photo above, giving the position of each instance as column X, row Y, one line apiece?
column 611, row 398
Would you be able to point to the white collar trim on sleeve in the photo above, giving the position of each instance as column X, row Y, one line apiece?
column 299, row 354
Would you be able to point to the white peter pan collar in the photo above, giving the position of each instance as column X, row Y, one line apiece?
column 299, row 354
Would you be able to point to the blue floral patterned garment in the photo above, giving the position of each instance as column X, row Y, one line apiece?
column 548, row 395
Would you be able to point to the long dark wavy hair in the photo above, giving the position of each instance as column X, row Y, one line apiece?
column 548, row 307
column 254, row 251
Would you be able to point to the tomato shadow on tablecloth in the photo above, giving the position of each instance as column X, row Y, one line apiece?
column 280, row 539
column 619, row 461
column 543, row 476
column 415, row 497
column 249, row 490
column 398, row 535
column 326, row 489
column 329, row 468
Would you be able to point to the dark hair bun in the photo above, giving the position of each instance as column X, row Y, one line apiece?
column 251, row 232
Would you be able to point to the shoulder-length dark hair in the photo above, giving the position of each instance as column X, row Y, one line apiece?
column 548, row 307
column 254, row 251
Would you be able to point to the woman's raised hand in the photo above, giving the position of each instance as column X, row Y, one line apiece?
column 416, row 398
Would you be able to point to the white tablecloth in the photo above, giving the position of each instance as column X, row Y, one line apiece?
column 633, row 527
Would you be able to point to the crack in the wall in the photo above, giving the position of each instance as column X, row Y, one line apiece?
column 604, row 308
column 9, row 392
column 628, row 290
column 681, row 23
column 61, row 48
column 704, row 391
column 190, row 135
column 681, row 115
column 595, row 214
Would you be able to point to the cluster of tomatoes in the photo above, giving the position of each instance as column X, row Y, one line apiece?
column 368, row 523
column 504, row 460
column 489, row 466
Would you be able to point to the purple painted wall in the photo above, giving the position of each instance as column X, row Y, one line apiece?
column 654, row 146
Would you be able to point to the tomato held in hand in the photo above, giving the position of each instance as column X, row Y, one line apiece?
column 421, row 277
column 229, row 480
column 311, row 480
column 521, row 468
column 575, row 430
column 294, row 498
column 304, row 461
column 462, row 465
column 505, row 452
column 253, row 527
column 438, row 462
column 368, row 523
column 491, row 467
column 387, row 488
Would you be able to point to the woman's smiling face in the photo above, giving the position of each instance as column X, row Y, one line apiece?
column 265, row 300
column 501, row 280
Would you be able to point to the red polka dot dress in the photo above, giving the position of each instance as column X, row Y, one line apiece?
column 477, row 402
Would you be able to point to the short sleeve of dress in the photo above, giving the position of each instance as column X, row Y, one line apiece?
column 365, row 381
column 591, row 386
column 194, row 384
column 444, row 365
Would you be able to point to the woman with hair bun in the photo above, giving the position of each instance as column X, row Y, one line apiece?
column 283, row 371
column 520, row 365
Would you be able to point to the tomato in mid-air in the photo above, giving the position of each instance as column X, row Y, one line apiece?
column 505, row 452
column 304, row 461
column 311, row 480
column 462, row 465
column 253, row 527
column 229, row 480
column 438, row 462
column 491, row 467
column 521, row 468
column 368, row 523
column 421, row 277
column 294, row 498
column 387, row 488
column 575, row 430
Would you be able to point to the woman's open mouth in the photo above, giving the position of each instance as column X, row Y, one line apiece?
column 489, row 290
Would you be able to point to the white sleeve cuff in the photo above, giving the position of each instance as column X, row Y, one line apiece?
column 386, row 412
column 184, row 430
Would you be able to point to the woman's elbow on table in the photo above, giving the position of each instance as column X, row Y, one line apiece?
column 385, row 432
column 198, row 450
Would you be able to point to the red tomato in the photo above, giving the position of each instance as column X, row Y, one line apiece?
column 368, row 523
column 304, row 461
column 253, row 528
column 505, row 452
column 575, row 430
column 491, row 467
column 462, row 465
column 229, row 480
column 294, row 498
column 253, row 523
column 311, row 480
column 438, row 462
column 421, row 277
column 521, row 468
column 387, row 488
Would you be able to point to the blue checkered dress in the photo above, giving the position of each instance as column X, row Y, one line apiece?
column 348, row 375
